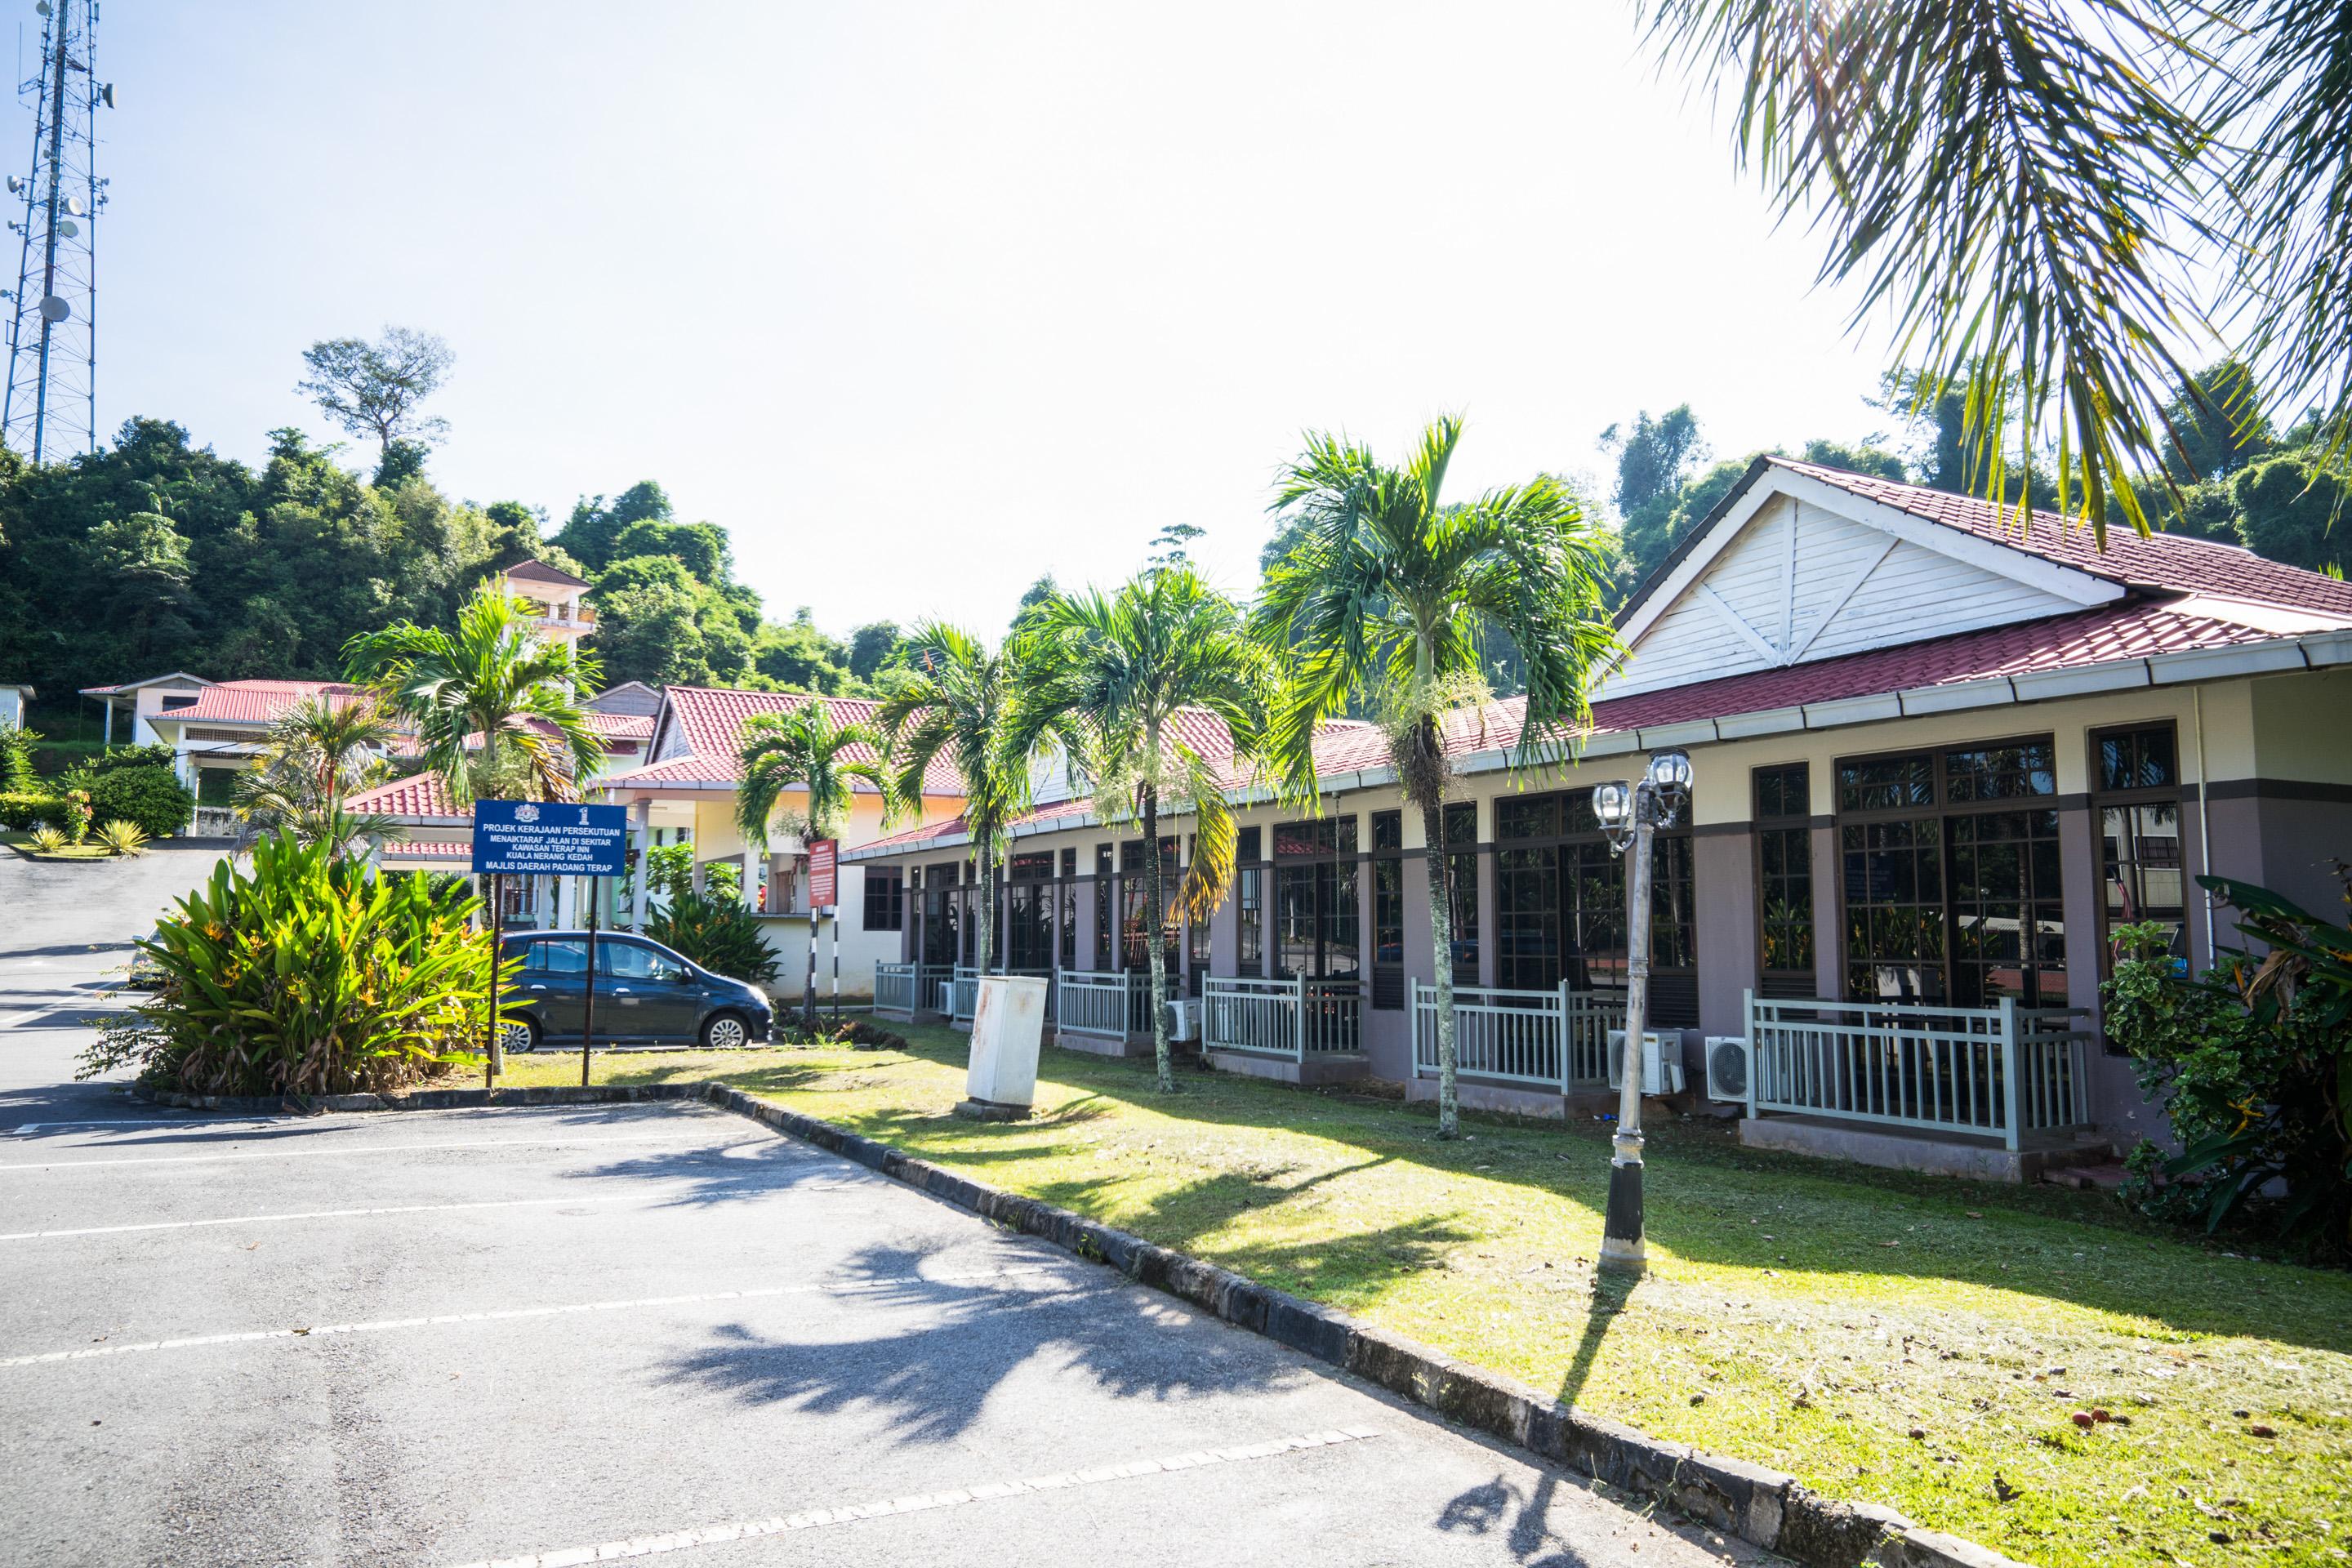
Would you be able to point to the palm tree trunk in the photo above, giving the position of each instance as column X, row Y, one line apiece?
column 986, row 914
column 1441, row 937
column 1154, row 902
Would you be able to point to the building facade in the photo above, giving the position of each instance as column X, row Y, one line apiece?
column 1941, row 756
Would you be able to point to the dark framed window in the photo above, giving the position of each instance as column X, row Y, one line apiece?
column 1029, row 912
column 1559, row 893
column 1950, row 866
column 1784, row 881
column 2135, row 797
column 1102, row 906
column 1135, row 893
column 1066, row 915
column 1316, row 915
column 943, row 914
column 1196, row 938
column 1249, row 901
column 1388, row 909
column 885, row 900
column 1462, row 868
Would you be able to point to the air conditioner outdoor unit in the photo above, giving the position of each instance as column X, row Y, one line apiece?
column 1727, row 1066
column 1183, row 1021
column 1662, row 1064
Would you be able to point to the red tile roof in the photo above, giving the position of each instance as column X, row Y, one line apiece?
column 619, row 726
column 429, row 849
column 260, row 702
column 420, row 795
column 710, row 722
column 2165, row 561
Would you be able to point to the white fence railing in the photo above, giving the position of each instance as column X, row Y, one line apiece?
column 2006, row 1071
column 963, row 993
column 897, row 987
column 1108, row 1003
column 1296, row 1019
column 1557, row 1039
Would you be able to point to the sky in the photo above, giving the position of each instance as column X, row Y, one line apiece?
column 923, row 300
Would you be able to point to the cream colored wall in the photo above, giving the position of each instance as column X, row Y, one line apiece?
column 2302, row 726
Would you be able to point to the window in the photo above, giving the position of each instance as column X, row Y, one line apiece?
column 1314, row 899
column 1066, row 919
column 1784, row 881
column 561, row 956
column 942, row 915
column 1950, row 871
column 627, row 961
column 1102, row 906
column 1249, row 901
column 2135, row 797
column 1461, row 866
column 1559, row 893
column 1029, row 912
column 173, row 701
column 885, row 900
column 1388, row 909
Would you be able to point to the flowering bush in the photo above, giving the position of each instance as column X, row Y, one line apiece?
column 77, row 807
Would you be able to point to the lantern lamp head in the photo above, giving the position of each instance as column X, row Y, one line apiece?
column 1670, row 773
column 1613, row 803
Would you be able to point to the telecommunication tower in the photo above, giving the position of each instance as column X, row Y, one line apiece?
column 50, row 408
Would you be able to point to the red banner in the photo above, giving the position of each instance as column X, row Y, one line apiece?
column 824, row 858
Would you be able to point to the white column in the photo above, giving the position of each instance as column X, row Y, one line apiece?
column 750, row 888
column 567, row 902
column 644, row 811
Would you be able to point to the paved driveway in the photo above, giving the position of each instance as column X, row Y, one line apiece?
column 447, row 1338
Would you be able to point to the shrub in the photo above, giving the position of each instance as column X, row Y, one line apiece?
column 17, row 761
column 2253, row 1063
column 48, row 840
column 76, row 803
column 718, row 934
column 152, row 797
column 124, row 838
column 20, row 811
column 304, row 975
column 120, row 757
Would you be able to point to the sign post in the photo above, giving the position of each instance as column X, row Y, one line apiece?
column 824, row 874
column 549, row 839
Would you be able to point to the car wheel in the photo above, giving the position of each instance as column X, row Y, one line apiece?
column 725, row 1032
column 519, row 1034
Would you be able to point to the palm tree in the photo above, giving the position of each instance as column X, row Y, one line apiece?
column 2052, row 200
column 1391, row 597
column 953, row 701
column 317, row 753
column 802, row 749
column 492, row 703
column 1109, row 678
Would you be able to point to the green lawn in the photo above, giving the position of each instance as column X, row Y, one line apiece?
column 1799, row 1314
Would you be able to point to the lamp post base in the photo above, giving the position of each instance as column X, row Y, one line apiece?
column 1621, row 1250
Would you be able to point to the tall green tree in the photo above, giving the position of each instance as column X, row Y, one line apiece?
column 2049, row 201
column 1655, row 458
column 1107, row 678
column 956, row 701
column 802, row 748
column 1389, row 597
column 378, row 388
column 492, row 704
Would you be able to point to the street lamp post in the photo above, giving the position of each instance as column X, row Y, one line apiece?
column 1630, row 815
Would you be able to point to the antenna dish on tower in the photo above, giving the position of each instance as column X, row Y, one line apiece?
column 106, row 95
column 53, row 309
column 68, row 229
column 49, row 410
column 73, row 206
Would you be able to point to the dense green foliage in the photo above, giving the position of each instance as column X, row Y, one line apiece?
column 302, row 975
column 152, row 797
column 22, row 811
column 2252, row 1064
column 716, row 932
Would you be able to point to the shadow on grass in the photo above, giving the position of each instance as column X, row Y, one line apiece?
column 942, row 1346
column 1710, row 1202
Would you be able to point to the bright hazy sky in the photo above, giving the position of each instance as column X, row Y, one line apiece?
column 921, row 300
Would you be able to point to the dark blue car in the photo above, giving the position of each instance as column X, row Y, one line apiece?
column 645, row 992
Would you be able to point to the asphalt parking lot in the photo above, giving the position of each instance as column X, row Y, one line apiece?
column 557, row 1335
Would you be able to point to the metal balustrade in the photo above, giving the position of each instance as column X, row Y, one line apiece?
column 897, row 987
column 2006, row 1071
column 1103, row 1002
column 1557, row 1039
column 1295, row 1017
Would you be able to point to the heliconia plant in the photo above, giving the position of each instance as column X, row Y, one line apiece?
column 299, row 974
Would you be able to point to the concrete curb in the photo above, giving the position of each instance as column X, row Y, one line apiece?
column 1759, row 1505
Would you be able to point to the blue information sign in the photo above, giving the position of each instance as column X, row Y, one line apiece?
column 536, row 838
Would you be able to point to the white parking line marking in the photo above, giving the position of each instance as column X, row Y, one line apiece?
column 515, row 1314
column 354, row 1149
column 745, row 1529
column 274, row 1219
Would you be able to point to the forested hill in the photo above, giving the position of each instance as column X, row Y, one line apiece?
column 155, row 555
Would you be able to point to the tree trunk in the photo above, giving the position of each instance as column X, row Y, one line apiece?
column 1154, row 906
column 1440, row 936
column 987, row 910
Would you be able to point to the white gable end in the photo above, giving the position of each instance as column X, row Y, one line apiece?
column 1798, row 578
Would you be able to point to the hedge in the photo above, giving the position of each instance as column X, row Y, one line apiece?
column 152, row 798
column 24, row 812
